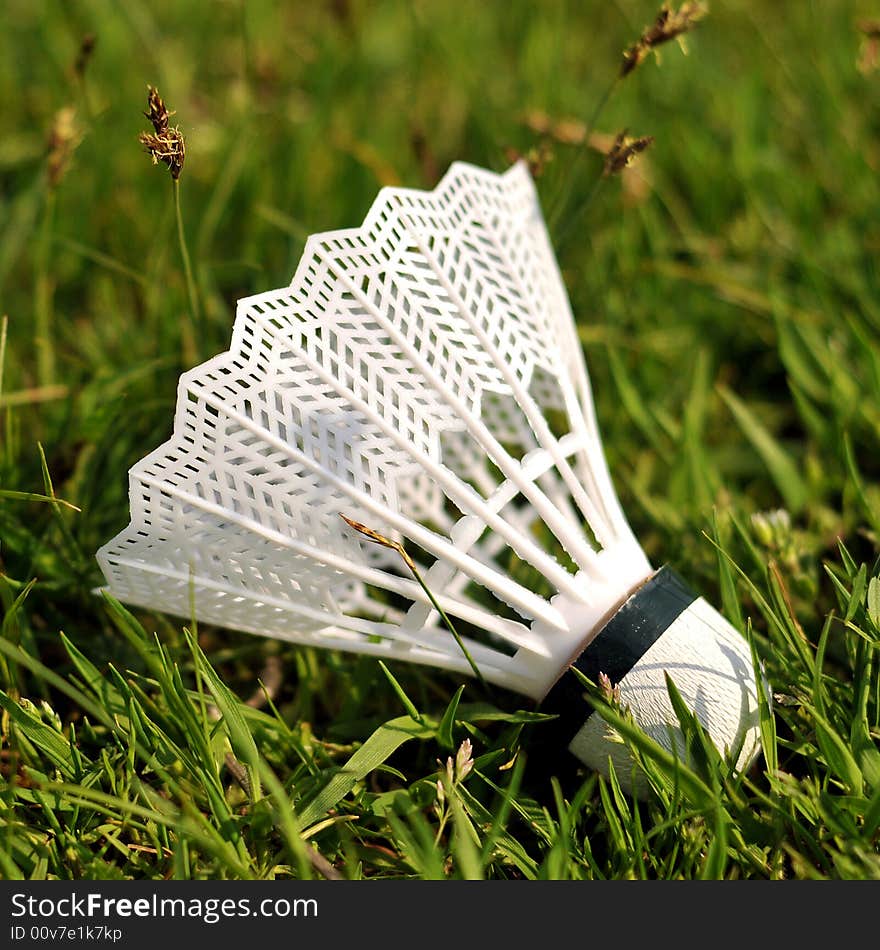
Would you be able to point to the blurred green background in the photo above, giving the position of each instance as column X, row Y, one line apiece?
column 744, row 241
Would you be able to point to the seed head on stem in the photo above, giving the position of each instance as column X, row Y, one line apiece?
column 869, row 51
column 623, row 151
column 610, row 691
column 165, row 144
column 372, row 535
column 64, row 136
column 83, row 57
column 669, row 25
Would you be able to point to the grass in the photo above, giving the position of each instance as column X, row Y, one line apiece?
column 727, row 293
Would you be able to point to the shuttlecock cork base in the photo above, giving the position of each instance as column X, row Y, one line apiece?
column 422, row 376
column 662, row 628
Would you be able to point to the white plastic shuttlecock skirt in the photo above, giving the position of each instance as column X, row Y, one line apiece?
column 421, row 375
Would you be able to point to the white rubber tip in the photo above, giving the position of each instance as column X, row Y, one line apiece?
column 711, row 666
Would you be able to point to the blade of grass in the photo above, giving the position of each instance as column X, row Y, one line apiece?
column 408, row 704
column 782, row 469
column 376, row 750
column 444, row 730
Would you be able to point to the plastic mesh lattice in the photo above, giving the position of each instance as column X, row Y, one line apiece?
column 402, row 379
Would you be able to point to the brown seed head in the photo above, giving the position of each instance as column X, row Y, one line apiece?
column 869, row 51
column 669, row 25
column 537, row 157
column 623, row 151
column 64, row 136
column 566, row 131
column 86, row 48
column 156, row 112
column 424, row 154
column 372, row 535
column 166, row 144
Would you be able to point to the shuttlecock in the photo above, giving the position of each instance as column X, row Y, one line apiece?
column 422, row 375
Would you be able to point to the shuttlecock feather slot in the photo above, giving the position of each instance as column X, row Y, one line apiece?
column 422, row 375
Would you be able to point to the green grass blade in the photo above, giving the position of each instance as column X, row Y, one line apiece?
column 779, row 464
column 376, row 750
column 408, row 704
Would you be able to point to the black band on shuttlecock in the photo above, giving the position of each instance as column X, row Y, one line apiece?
column 620, row 644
